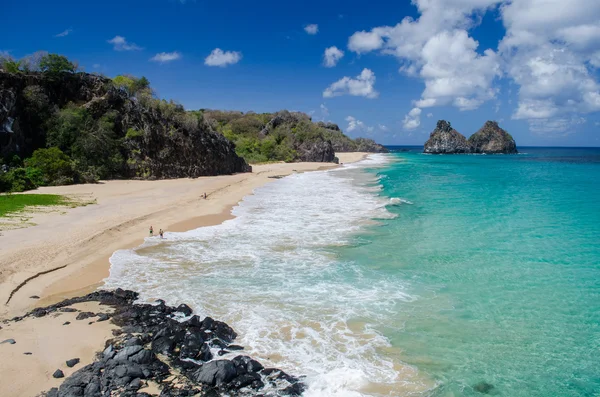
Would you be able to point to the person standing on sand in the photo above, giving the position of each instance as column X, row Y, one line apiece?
column 151, row 231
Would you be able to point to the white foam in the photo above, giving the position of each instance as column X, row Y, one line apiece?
column 273, row 275
column 399, row 201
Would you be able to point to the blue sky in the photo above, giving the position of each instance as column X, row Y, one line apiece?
column 532, row 65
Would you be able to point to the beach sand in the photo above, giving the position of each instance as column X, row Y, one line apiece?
column 78, row 243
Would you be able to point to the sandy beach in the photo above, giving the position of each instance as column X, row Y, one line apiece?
column 67, row 254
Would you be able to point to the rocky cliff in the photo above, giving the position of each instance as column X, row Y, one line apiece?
column 343, row 143
column 285, row 136
column 492, row 139
column 88, row 116
column 446, row 140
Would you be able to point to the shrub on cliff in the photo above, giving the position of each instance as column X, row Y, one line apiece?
column 54, row 63
column 49, row 167
column 92, row 144
column 20, row 179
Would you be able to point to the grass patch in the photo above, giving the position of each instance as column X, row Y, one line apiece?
column 17, row 202
column 17, row 210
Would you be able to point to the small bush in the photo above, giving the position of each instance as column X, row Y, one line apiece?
column 133, row 133
column 53, row 165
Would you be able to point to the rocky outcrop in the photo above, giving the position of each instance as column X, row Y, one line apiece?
column 446, row 140
column 316, row 151
column 158, row 139
column 369, row 146
column 491, row 139
column 284, row 117
column 342, row 143
column 171, row 348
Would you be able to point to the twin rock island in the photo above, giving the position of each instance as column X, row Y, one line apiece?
column 490, row 139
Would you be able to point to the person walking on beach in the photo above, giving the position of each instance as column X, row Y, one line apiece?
column 151, row 231
column 160, row 232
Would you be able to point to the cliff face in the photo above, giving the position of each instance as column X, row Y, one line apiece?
column 492, row 139
column 149, row 138
column 342, row 143
column 285, row 136
column 446, row 140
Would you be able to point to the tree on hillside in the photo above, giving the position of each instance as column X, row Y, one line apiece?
column 8, row 64
column 54, row 63
column 132, row 85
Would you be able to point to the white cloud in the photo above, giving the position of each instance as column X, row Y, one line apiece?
column 362, row 85
column 358, row 126
column 166, row 57
column 96, row 66
column 312, row 28
column 361, row 42
column 120, row 44
column 551, row 50
column 64, row 33
column 551, row 56
column 437, row 48
column 383, row 127
column 413, row 119
column 332, row 56
column 222, row 58
column 429, row 115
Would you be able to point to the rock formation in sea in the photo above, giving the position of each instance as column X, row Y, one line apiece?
column 179, row 352
column 446, row 140
column 491, row 139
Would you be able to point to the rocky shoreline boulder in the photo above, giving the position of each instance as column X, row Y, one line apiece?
column 446, row 140
column 170, row 348
column 492, row 139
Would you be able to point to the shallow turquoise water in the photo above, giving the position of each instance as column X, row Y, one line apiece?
column 480, row 269
column 502, row 256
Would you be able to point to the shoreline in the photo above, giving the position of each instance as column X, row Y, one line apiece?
column 79, row 243
column 83, row 254
column 151, row 348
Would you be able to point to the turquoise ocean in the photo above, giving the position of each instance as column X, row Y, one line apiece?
column 405, row 274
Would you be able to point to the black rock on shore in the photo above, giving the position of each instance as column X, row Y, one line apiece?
column 171, row 349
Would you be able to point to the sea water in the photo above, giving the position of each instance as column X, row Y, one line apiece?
column 405, row 275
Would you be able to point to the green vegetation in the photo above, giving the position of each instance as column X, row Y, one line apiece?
column 258, row 141
column 54, row 63
column 77, row 128
column 40, row 61
column 12, row 203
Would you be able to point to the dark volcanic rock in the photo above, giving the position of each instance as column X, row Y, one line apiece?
column 320, row 151
column 170, row 143
column 58, row 374
column 446, row 140
column 215, row 373
column 491, row 139
column 181, row 368
column 85, row 315
column 185, row 309
column 72, row 362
